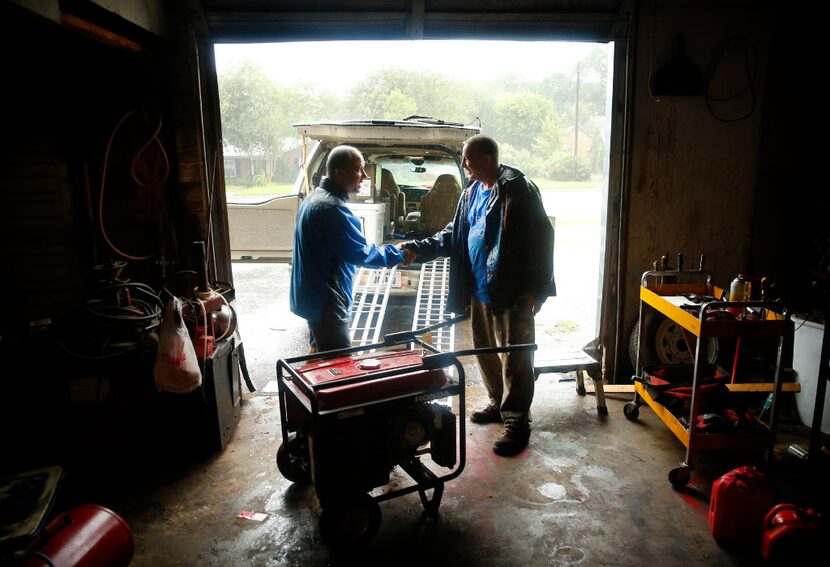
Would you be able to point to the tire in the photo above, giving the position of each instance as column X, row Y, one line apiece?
column 350, row 522
column 664, row 343
column 293, row 461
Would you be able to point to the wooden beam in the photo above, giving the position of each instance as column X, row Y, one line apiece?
column 98, row 33
column 745, row 387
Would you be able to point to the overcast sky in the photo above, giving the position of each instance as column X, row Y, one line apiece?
column 289, row 63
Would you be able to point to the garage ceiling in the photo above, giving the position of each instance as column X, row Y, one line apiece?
column 228, row 21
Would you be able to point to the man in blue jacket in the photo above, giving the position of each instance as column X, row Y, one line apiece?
column 328, row 244
column 500, row 245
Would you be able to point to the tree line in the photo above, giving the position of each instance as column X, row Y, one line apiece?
column 528, row 118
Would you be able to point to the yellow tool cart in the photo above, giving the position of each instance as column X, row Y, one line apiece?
column 688, row 298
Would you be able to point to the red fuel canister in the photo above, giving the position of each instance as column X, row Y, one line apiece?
column 740, row 500
column 87, row 536
column 792, row 535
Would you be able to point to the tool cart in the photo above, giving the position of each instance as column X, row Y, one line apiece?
column 689, row 299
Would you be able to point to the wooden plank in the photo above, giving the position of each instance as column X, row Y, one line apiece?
column 748, row 387
column 563, row 366
column 611, row 388
column 98, row 33
column 763, row 387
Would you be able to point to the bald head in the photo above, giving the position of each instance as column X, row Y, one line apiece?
column 345, row 166
column 485, row 145
column 480, row 159
column 341, row 157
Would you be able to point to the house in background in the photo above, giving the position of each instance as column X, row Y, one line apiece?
column 239, row 166
column 585, row 141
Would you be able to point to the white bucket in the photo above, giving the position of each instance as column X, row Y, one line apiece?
column 806, row 354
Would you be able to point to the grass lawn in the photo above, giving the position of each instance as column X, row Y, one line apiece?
column 270, row 189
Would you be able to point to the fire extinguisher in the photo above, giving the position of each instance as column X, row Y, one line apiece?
column 792, row 534
column 86, row 536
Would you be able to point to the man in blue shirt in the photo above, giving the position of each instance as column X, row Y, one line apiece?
column 328, row 244
column 500, row 245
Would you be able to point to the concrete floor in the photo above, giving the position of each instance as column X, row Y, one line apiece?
column 589, row 490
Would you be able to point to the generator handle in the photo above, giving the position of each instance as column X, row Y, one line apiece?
column 444, row 359
column 294, row 378
column 407, row 336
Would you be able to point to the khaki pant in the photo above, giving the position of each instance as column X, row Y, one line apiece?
column 508, row 377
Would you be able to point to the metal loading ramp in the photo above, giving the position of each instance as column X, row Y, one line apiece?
column 431, row 302
column 371, row 293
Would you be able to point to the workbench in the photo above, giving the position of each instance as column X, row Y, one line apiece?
column 579, row 362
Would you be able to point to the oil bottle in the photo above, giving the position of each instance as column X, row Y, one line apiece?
column 738, row 289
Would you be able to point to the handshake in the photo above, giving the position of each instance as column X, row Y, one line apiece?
column 408, row 252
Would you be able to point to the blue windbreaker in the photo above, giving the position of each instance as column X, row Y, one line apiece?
column 328, row 244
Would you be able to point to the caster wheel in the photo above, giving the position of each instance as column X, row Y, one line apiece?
column 680, row 476
column 631, row 411
column 292, row 460
column 350, row 522
column 580, row 390
column 604, row 410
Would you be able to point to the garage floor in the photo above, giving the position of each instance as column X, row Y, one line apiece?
column 589, row 490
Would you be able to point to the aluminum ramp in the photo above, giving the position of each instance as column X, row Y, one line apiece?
column 371, row 293
column 431, row 302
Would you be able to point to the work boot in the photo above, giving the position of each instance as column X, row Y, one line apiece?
column 514, row 438
column 488, row 414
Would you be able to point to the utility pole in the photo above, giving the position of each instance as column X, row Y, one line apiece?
column 576, row 124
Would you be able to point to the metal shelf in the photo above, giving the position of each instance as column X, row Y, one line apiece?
column 666, row 291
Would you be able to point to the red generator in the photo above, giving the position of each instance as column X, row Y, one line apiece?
column 740, row 500
column 351, row 416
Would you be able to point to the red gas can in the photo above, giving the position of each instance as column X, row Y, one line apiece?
column 740, row 500
column 792, row 535
column 86, row 536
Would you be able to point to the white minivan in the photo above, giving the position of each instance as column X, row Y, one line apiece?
column 414, row 183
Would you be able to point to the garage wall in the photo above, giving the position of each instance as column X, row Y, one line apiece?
column 693, row 177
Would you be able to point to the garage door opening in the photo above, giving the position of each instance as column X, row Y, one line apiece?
column 547, row 104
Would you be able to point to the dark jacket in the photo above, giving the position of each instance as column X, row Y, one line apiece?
column 520, row 260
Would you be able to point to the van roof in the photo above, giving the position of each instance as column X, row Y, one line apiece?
column 413, row 130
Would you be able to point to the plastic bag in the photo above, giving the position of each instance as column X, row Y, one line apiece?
column 176, row 369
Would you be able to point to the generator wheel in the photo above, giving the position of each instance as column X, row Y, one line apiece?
column 350, row 522
column 292, row 460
